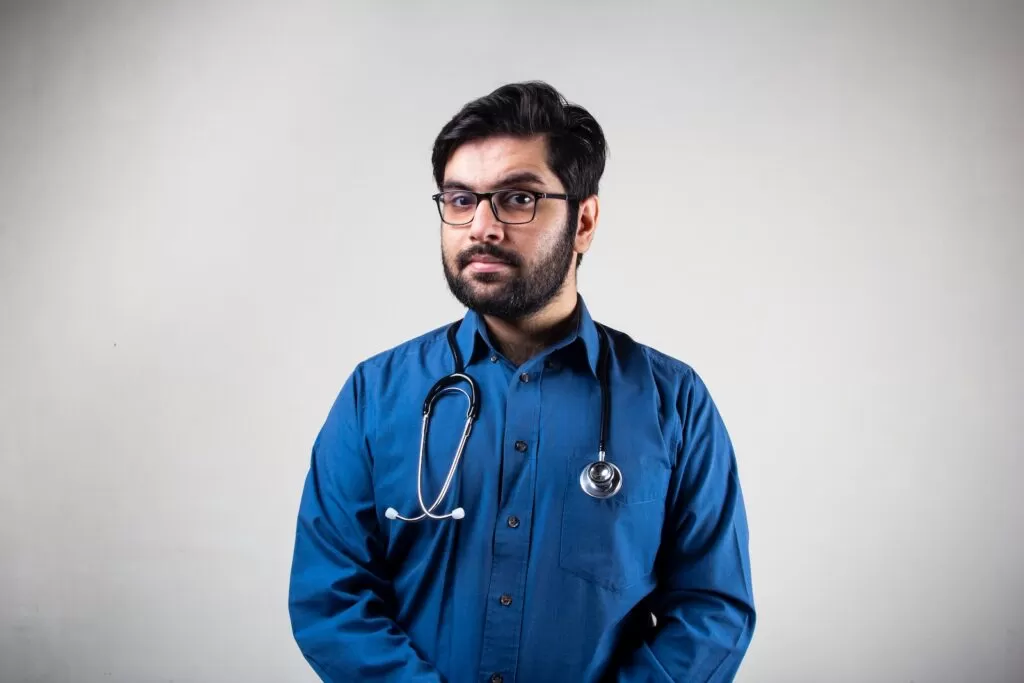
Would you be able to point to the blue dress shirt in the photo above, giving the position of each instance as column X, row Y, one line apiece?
column 539, row 582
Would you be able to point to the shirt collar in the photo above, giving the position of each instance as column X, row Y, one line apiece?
column 474, row 342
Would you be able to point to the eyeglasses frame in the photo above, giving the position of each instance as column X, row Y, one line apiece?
column 489, row 197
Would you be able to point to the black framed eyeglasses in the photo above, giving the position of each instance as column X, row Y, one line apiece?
column 511, row 206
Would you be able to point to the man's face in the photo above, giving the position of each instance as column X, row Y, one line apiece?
column 507, row 271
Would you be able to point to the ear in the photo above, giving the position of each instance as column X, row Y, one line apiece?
column 586, row 224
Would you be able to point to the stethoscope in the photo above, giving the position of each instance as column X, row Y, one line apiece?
column 599, row 479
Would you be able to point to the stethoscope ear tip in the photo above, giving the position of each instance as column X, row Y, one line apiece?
column 458, row 513
column 391, row 513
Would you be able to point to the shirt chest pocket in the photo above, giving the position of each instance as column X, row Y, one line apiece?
column 613, row 542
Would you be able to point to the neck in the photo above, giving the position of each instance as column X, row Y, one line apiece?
column 522, row 339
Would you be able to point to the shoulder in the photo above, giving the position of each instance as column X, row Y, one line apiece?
column 409, row 350
column 376, row 375
column 682, row 397
column 666, row 369
column 387, row 377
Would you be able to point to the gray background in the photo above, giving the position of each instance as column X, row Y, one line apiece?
column 210, row 211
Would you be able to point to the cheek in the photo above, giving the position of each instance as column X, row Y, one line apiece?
column 546, row 245
column 449, row 242
column 450, row 247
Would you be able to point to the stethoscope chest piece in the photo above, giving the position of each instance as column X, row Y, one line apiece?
column 601, row 479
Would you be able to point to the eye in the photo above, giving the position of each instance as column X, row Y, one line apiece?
column 517, row 199
column 459, row 200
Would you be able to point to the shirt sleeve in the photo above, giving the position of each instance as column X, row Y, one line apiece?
column 704, row 599
column 340, row 600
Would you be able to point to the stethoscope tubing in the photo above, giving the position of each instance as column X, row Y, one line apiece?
column 600, row 479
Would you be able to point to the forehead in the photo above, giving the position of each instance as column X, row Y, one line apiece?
column 486, row 162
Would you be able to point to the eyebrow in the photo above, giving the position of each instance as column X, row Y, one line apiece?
column 517, row 178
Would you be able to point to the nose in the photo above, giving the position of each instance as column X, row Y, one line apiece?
column 485, row 226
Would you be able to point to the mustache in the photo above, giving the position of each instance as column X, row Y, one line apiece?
column 507, row 257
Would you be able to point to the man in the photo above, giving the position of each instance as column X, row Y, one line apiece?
column 519, row 552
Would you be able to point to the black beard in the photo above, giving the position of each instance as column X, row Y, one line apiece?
column 527, row 289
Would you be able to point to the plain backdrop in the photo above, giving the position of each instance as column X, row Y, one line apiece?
column 211, row 211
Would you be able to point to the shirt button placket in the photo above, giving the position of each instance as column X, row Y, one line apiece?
column 501, row 636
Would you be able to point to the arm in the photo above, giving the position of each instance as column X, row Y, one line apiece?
column 704, row 600
column 339, row 594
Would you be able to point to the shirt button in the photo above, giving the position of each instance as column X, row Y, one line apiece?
column 496, row 678
column 521, row 446
column 505, row 599
column 525, row 377
column 513, row 521
column 494, row 359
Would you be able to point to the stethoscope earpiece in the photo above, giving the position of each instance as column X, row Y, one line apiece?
column 392, row 513
column 601, row 479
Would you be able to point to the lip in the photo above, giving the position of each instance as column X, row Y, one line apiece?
column 486, row 263
column 487, row 266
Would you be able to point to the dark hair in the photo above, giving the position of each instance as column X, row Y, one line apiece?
column 576, row 145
